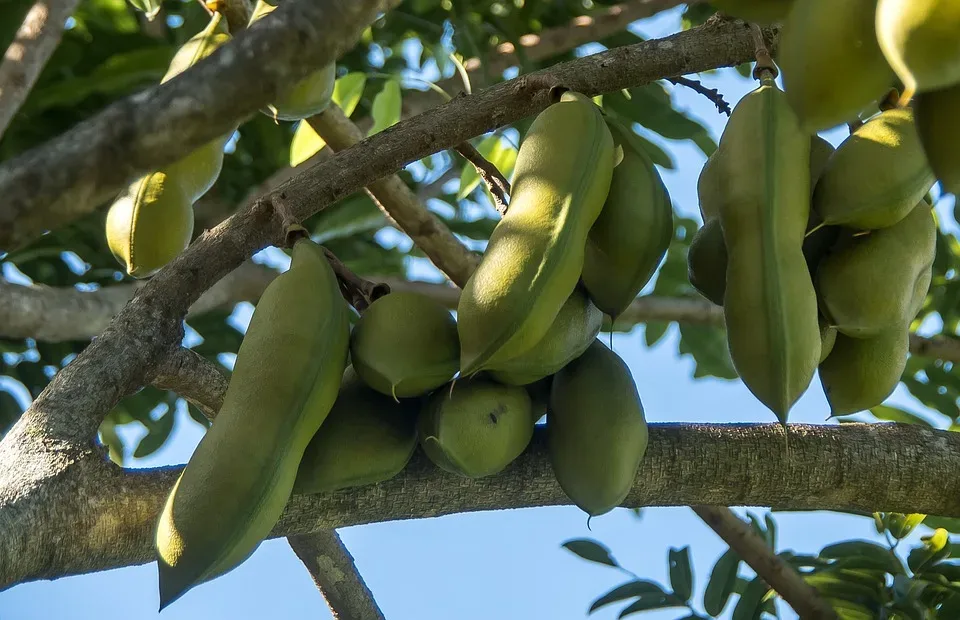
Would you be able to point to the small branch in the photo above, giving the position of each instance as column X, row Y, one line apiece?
column 335, row 574
column 32, row 46
column 789, row 584
column 198, row 380
column 762, row 54
column 356, row 290
column 712, row 94
column 497, row 184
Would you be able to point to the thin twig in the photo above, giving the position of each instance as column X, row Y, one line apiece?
column 710, row 93
column 497, row 184
column 356, row 290
column 29, row 52
column 788, row 583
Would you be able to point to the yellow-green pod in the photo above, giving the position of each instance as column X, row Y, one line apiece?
column 534, row 257
column 596, row 430
column 861, row 373
column 708, row 188
column 284, row 382
column 831, row 63
column 921, row 41
column 770, row 307
column 632, row 233
column 939, row 129
column 476, row 428
column 828, row 337
column 405, row 344
column 870, row 281
column 707, row 261
column 309, row 96
column 877, row 175
column 366, row 439
column 763, row 12
column 576, row 326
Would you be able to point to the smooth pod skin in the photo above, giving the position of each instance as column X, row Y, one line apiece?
column 921, row 41
column 535, row 255
column 632, row 233
column 309, row 96
column 708, row 188
column 828, row 337
column 596, row 430
column 539, row 392
column 867, row 283
column 477, row 429
column 576, row 326
column 285, row 380
column 151, row 221
column 831, row 63
column 763, row 12
column 707, row 261
column 861, row 373
column 939, row 129
column 367, row 438
column 770, row 306
column 877, row 175
column 405, row 344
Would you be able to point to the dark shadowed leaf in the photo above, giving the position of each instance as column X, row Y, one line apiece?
column 723, row 579
column 863, row 554
column 748, row 607
column 681, row 577
column 632, row 589
column 591, row 550
column 651, row 601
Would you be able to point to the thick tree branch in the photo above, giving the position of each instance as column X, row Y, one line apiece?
column 93, row 516
column 69, row 176
column 789, row 584
column 401, row 205
column 336, row 576
column 198, row 380
column 32, row 46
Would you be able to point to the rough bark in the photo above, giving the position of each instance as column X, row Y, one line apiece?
column 109, row 513
column 69, row 176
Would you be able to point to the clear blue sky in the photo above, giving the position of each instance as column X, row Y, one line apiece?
column 505, row 564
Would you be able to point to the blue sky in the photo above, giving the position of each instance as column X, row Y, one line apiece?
column 504, row 564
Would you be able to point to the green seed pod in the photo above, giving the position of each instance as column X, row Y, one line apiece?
column 828, row 337
column 535, row 255
column 707, row 261
column 632, row 233
column 405, row 345
column 861, row 373
column 939, row 130
column 366, row 439
column 770, row 306
column 877, row 175
column 596, row 430
column 920, row 41
column 831, row 63
column 309, row 96
column 478, row 428
column 285, row 380
column 576, row 326
column 708, row 188
column 870, row 282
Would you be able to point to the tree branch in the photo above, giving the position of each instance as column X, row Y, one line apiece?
column 498, row 185
column 789, row 584
column 94, row 516
column 69, row 176
column 199, row 381
column 336, row 576
column 32, row 46
column 712, row 94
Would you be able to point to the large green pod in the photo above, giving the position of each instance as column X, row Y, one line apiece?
column 707, row 261
column 869, row 282
column 366, row 439
column 309, row 96
column 877, row 175
column 576, row 326
column 633, row 231
column 405, row 344
column 285, row 380
column 939, row 129
column 770, row 307
column 596, row 430
column 832, row 66
column 534, row 257
column 921, row 41
column 861, row 373
column 477, row 427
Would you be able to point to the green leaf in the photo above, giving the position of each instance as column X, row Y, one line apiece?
column 651, row 106
column 707, row 345
column 748, row 607
column 847, row 610
column 386, row 107
column 948, row 570
column 723, row 580
column 651, row 601
column 894, row 414
column 863, row 554
column 948, row 523
column 305, row 144
column 653, row 331
column 681, row 577
column 632, row 589
column 771, row 535
column 934, row 548
column 354, row 215
column 900, row 525
column 109, row 438
column 469, row 177
column 158, row 432
column 843, row 586
column 347, row 91
column 591, row 550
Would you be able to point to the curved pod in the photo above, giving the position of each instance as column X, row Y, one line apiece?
column 921, row 41
column 861, row 373
column 285, row 380
column 939, row 129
